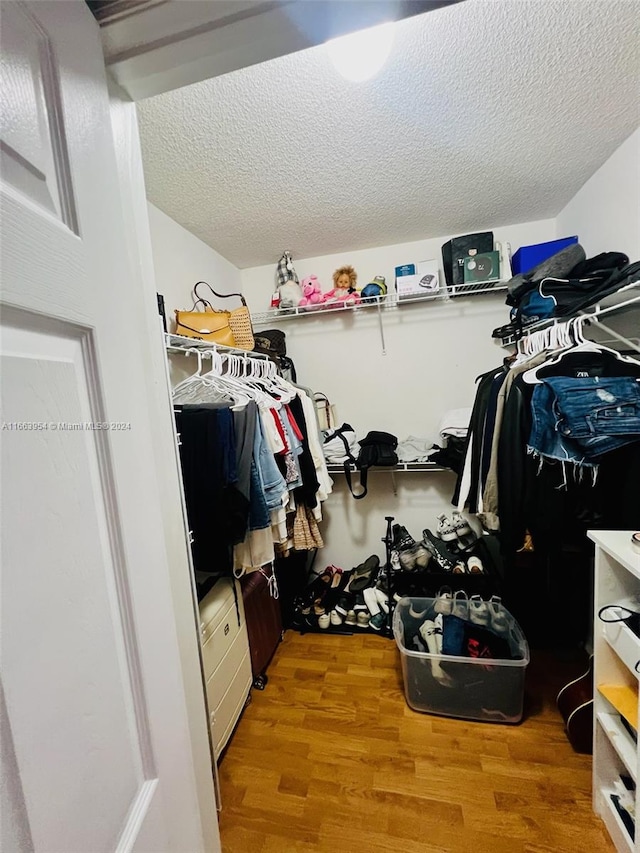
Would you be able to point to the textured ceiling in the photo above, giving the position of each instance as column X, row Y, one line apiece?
column 487, row 113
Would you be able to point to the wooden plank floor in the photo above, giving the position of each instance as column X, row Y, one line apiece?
column 330, row 758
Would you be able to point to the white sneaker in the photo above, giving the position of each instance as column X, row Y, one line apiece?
column 463, row 530
column 363, row 619
column 335, row 618
column 474, row 566
column 479, row 611
column 439, row 623
column 432, row 636
column 324, row 621
column 500, row 623
column 371, row 600
column 460, row 606
column 445, row 529
column 428, row 633
column 383, row 600
column 444, row 601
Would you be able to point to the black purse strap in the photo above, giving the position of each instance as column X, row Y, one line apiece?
column 348, row 462
column 363, row 480
column 215, row 293
column 618, row 618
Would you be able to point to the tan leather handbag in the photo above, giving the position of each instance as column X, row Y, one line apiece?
column 227, row 328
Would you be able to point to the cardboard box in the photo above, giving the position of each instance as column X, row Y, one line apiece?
column 414, row 280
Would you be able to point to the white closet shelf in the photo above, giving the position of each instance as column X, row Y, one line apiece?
column 401, row 467
column 179, row 343
column 387, row 302
column 419, row 467
column 617, row 544
column 620, row 740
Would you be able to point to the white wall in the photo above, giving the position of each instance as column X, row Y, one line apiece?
column 435, row 350
column 180, row 260
column 605, row 212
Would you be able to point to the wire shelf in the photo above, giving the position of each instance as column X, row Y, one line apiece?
column 180, row 343
column 418, row 467
column 600, row 309
column 387, row 302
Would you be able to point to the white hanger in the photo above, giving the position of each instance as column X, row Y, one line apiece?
column 577, row 343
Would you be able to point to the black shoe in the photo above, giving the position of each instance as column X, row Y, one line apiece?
column 402, row 538
column 345, row 603
column 438, row 550
column 364, row 575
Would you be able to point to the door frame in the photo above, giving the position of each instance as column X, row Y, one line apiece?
column 124, row 125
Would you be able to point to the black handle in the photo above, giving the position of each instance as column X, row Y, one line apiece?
column 215, row 293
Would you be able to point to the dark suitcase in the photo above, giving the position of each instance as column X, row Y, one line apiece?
column 264, row 622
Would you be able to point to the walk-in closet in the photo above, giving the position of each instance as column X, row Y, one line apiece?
column 363, row 341
column 277, row 180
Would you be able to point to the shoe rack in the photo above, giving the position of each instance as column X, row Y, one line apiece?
column 616, row 672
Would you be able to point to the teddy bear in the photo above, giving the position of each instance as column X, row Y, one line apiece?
column 344, row 288
column 312, row 293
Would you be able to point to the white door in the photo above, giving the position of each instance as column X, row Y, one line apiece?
column 95, row 735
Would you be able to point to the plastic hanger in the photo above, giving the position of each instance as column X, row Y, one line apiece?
column 579, row 344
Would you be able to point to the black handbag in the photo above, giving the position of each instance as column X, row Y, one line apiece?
column 376, row 449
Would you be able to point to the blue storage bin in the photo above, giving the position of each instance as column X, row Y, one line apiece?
column 528, row 257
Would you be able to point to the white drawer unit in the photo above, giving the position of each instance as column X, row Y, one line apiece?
column 616, row 673
column 226, row 659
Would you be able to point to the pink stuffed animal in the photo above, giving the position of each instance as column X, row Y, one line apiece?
column 312, row 292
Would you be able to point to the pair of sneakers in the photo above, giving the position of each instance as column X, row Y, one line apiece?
column 358, row 619
column 455, row 531
column 411, row 555
column 486, row 614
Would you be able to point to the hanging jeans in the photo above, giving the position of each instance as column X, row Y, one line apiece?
column 580, row 419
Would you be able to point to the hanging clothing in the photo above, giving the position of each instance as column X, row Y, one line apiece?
column 217, row 509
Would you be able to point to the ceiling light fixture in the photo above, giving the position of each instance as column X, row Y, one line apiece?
column 359, row 56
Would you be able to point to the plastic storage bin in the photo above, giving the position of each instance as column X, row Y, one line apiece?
column 528, row 257
column 486, row 689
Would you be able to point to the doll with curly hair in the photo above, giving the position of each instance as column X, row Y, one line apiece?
column 344, row 288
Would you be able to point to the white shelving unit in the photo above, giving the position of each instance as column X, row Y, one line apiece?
column 383, row 304
column 616, row 663
column 621, row 302
column 387, row 302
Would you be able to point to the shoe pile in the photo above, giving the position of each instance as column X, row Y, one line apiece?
column 462, row 656
column 447, row 546
column 447, row 549
column 406, row 553
column 454, row 624
column 355, row 598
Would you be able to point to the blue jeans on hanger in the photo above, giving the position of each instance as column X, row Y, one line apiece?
column 600, row 413
column 579, row 419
